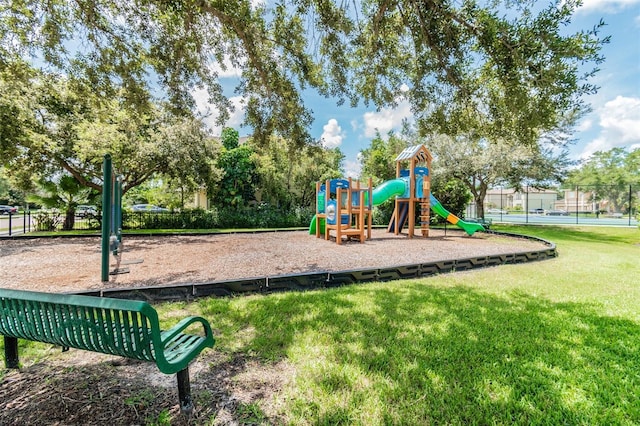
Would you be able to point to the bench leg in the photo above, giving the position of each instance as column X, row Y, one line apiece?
column 11, row 352
column 184, row 392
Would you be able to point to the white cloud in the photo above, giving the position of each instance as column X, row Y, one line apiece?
column 619, row 121
column 598, row 144
column 622, row 116
column 332, row 134
column 352, row 169
column 584, row 125
column 386, row 119
column 211, row 112
column 607, row 5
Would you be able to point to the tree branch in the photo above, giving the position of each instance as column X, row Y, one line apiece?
column 248, row 41
column 79, row 176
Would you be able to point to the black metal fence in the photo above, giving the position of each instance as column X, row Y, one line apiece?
column 39, row 221
column 15, row 223
column 267, row 217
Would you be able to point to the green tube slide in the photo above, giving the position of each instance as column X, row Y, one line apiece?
column 388, row 189
column 397, row 187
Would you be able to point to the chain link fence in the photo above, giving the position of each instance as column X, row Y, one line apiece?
column 612, row 204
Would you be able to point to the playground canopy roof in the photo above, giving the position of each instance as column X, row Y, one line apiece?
column 419, row 152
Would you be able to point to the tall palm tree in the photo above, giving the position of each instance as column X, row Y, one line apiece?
column 65, row 194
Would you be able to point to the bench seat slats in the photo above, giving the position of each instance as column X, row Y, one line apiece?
column 181, row 347
column 83, row 330
column 117, row 327
column 126, row 328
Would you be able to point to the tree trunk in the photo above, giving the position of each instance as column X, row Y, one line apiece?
column 69, row 220
column 479, row 197
column 479, row 191
column 479, row 202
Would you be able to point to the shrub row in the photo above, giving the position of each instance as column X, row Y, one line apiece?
column 262, row 216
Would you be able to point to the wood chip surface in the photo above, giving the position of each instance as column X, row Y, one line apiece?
column 74, row 264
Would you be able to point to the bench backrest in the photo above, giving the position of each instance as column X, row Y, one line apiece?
column 119, row 327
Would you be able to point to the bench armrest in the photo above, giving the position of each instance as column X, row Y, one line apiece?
column 170, row 334
column 179, row 348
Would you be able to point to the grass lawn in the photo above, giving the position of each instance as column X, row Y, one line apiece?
column 551, row 342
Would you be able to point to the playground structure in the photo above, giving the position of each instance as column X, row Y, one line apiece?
column 347, row 213
column 344, row 207
column 417, row 182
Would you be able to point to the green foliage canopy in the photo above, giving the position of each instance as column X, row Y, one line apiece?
column 481, row 164
column 64, row 125
column 237, row 184
column 64, row 192
column 509, row 59
column 609, row 176
column 378, row 160
column 287, row 177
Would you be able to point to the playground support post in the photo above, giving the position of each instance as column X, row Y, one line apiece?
column 107, row 176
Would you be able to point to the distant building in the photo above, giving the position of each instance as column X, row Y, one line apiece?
column 200, row 200
column 530, row 200
column 577, row 201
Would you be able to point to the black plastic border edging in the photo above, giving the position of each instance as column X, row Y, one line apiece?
column 326, row 279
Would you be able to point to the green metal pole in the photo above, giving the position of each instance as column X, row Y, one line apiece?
column 106, row 214
column 118, row 210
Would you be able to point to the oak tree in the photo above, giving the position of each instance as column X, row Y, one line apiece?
column 513, row 60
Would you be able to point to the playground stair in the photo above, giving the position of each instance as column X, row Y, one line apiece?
column 425, row 208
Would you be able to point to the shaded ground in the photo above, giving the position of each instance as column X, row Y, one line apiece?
column 82, row 388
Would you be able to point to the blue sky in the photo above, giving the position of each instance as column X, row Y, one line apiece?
column 613, row 122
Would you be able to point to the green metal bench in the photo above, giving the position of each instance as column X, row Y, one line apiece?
column 126, row 328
